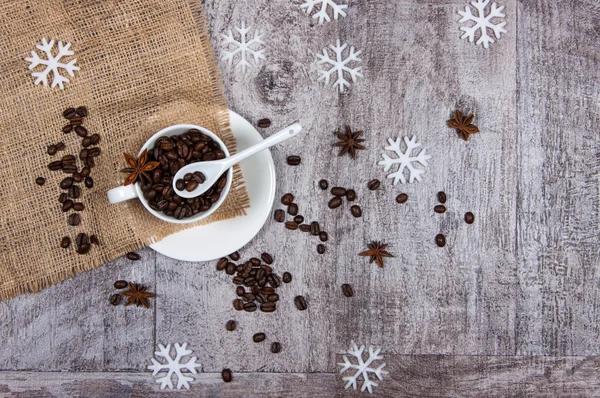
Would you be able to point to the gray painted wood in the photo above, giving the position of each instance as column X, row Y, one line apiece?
column 521, row 281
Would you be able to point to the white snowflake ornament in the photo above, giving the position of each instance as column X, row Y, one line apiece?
column 240, row 52
column 339, row 65
column 405, row 160
column 174, row 366
column 322, row 14
column 483, row 22
column 362, row 367
column 52, row 63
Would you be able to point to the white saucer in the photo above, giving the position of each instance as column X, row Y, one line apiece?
column 212, row 241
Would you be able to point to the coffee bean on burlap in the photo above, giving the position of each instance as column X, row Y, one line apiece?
column 40, row 181
column 74, row 220
column 65, row 242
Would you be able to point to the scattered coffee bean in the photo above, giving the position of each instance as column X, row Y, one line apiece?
column 320, row 248
column 67, row 205
column 298, row 219
column 62, row 198
column 356, row 211
column 293, row 209
column 440, row 240
column 304, row 227
column 67, row 129
column 235, row 256
column 40, row 181
column 350, row 195
column 238, row 304
column 279, row 215
column 287, row 199
column 74, row 192
column 94, row 240
column 402, row 198
column 292, row 226
column 120, row 284
column 439, row 209
column 77, row 177
column 293, row 160
column 69, row 113
column 84, row 248
column 250, row 307
column 81, row 131
column 300, row 303
column 267, row 258
column 88, row 182
column 268, row 307
column 441, row 196
column 264, row 123
column 255, row 261
column 116, row 299
column 199, row 177
column 323, row 184
column 60, row 146
column 74, row 220
column 78, row 206
column 469, row 217
column 51, row 150
column 231, row 325
column 338, row 191
column 56, row 165
column 259, row 337
column 82, row 111
column 323, row 236
column 275, row 347
column 133, row 256
column 335, row 202
column 95, row 139
column 66, row 183
column 230, row 269
column 76, row 121
column 81, row 239
column 226, row 375
column 85, row 172
column 222, row 264
column 287, row 277
column 191, row 186
column 65, row 242
column 373, row 184
column 315, row 229
column 347, row 290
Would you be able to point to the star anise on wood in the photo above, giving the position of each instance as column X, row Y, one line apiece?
column 349, row 142
column 463, row 125
column 377, row 252
column 138, row 295
column 138, row 167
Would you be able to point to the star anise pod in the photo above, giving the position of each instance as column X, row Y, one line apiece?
column 138, row 167
column 376, row 252
column 349, row 142
column 463, row 125
column 137, row 295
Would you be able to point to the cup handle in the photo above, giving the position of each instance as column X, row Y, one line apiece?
column 121, row 194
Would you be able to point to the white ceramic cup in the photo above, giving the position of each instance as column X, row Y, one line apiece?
column 123, row 193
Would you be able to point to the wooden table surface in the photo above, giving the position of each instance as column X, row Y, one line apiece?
column 510, row 307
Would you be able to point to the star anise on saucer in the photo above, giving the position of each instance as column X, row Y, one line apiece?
column 377, row 252
column 349, row 142
column 138, row 167
column 463, row 125
column 138, row 295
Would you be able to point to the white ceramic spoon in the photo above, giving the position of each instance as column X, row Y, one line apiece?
column 214, row 169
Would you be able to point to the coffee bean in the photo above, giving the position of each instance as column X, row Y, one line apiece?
column 264, row 123
column 250, row 307
column 86, row 142
column 440, row 240
column 249, row 297
column 238, row 304
column 293, row 160
column 323, row 236
column 300, row 303
column 315, row 229
column 89, row 182
column 441, row 196
column 56, row 165
column 74, row 192
column 222, row 264
column 68, row 159
column 347, row 290
column 272, row 298
column 67, row 205
column 85, row 172
column 81, row 239
column 287, row 199
column 120, row 284
column 338, row 191
column 40, row 181
column 199, row 177
column 469, row 218
column 259, row 337
column 287, row 277
column 255, row 261
column 268, row 307
column 67, row 129
column 304, row 228
column 115, row 299
column 235, row 256
column 350, row 195
column 268, row 290
column 74, row 220
column 356, row 211
column 82, row 111
column 66, row 183
column 275, row 347
column 133, row 256
column 51, row 150
column 402, row 198
column 292, row 226
column 373, row 184
column 65, row 242
column 274, row 280
column 230, row 269
column 69, row 113
column 60, row 146
column 78, row 206
column 298, row 219
column 320, row 248
column 95, row 139
column 94, row 240
column 81, row 131
column 226, row 375
column 94, row 152
column 267, row 258
column 293, row 209
column 231, row 325
column 84, row 248
column 191, row 186
column 323, row 184
column 62, row 198
column 335, row 202
column 238, row 280
column 77, row 177
column 439, row 209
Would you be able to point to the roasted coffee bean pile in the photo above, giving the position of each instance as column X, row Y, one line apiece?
column 338, row 194
column 173, row 153
column 68, row 165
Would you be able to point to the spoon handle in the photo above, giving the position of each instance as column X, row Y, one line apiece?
column 285, row 134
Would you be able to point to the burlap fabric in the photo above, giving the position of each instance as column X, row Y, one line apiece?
column 145, row 65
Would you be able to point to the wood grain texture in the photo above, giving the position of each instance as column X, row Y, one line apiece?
column 521, row 280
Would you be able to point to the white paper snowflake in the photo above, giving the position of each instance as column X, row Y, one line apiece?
column 52, row 63
column 405, row 160
column 362, row 367
column 242, row 50
column 337, row 9
column 482, row 22
column 174, row 366
column 339, row 65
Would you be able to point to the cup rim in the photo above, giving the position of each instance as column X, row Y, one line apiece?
column 183, row 128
